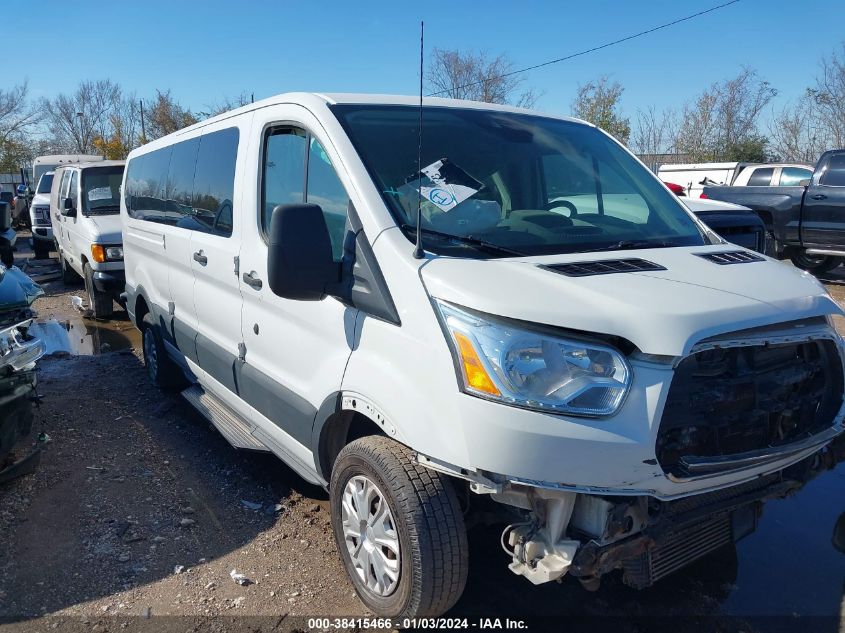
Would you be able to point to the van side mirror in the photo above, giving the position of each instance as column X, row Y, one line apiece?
column 300, row 264
column 68, row 209
column 804, row 183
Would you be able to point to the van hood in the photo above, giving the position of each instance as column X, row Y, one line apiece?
column 106, row 228
column 662, row 312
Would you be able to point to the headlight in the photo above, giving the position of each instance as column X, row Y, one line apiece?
column 114, row 252
column 518, row 366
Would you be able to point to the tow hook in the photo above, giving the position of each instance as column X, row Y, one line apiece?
column 538, row 549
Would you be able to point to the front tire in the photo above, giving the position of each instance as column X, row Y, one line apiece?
column 399, row 530
column 101, row 304
column 69, row 275
column 816, row 264
column 40, row 249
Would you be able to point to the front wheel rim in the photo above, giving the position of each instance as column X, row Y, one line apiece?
column 150, row 354
column 370, row 535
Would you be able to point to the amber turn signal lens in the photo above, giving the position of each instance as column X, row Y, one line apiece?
column 98, row 253
column 476, row 376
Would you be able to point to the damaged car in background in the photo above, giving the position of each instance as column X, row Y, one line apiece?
column 18, row 352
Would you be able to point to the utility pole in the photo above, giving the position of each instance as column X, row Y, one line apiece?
column 143, row 129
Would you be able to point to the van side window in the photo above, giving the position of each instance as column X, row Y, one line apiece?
column 214, row 181
column 145, row 186
column 324, row 188
column 283, row 175
column 180, row 182
column 63, row 188
column 73, row 190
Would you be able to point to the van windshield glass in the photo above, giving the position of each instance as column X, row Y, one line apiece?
column 101, row 190
column 498, row 184
column 45, row 184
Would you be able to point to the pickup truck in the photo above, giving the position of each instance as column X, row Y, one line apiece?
column 805, row 223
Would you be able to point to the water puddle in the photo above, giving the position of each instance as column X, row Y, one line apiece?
column 86, row 337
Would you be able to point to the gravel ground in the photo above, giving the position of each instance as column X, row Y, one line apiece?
column 140, row 508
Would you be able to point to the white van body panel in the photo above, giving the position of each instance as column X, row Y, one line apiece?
column 691, row 300
column 49, row 162
column 311, row 356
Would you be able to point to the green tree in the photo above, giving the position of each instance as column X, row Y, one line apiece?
column 598, row 103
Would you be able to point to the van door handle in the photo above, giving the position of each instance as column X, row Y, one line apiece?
column 200, row 258
column 252, row 281
column 819, row 196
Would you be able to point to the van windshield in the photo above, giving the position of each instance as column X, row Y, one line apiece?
column 503, row 184
column 45, row 183
column 101, row 190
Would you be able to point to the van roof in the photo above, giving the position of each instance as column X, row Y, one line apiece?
column 97, row 163
column 314, row 100
column 66, row 158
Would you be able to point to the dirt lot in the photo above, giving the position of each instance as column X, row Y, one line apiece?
column 139, row 508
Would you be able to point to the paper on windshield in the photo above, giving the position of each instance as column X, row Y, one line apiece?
column 446, row 185
column 100, row 193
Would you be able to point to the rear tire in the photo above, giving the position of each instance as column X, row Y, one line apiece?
column 100, row 303
column 161, row 369
column 816, row 264
column 380, row 494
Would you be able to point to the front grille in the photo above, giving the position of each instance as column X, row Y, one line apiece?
column 732, row 257
column 730, row 401
column 676, row 550
column 604, row 267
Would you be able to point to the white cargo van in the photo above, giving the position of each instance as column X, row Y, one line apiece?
column 85, row 213
column 43, row 168
column 562, row 340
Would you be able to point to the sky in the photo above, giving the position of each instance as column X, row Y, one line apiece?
column 207, row 51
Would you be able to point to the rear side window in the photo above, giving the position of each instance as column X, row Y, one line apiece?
column 180, row 180
column 792, row 176
column 834, row 175
column 214, row 182
column 188, row 184
column 761, row 177
column 145, row 186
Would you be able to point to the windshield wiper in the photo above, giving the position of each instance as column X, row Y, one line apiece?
column 467, row 239
column 629, row 245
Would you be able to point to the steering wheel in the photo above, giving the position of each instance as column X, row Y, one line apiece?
column 554, row 204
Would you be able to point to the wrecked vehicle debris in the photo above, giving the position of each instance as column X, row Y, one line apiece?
column 18, row 352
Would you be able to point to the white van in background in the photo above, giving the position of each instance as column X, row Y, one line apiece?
column 43, row 168
column 557, row 342
column 85, row 214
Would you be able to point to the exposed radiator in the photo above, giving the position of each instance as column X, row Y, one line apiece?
column 676, row 550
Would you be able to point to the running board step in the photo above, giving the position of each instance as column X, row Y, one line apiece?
column 236, row 430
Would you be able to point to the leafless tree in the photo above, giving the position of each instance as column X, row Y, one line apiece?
column 795, row 132
column 478, row 77
column 228, row 103
column 721, row 123
column 165, row 116
column 654, row 132
column 17, row 114
column 76, row 120
column 828, row 96
column 598, row 103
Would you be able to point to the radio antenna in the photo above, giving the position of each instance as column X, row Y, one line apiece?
column 418, row 249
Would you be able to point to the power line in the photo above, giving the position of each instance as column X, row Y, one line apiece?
column 590, row 50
